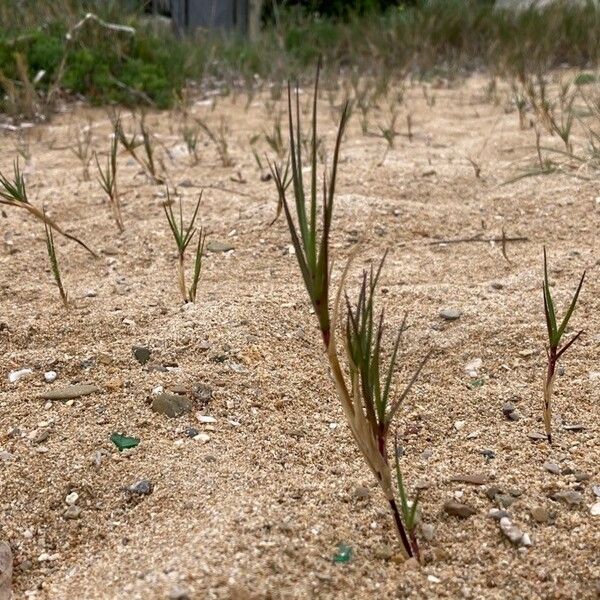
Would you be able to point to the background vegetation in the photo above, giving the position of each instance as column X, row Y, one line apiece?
column 152, row 66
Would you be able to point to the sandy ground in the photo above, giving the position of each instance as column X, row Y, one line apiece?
column 258, row 510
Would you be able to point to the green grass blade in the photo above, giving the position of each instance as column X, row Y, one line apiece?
column 565, row 321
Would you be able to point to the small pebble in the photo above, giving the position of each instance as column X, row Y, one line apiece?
column 40, row 435
column 428, row 531
column 72, row 498
column 205, row 418
column 14, row 376
column 513, row 533
column 510, row 412
column 450, row 314
column 50, row 376
column 497, row 513
column 569, row 497
column 141, row 354
column 473, row 366
column 552, row 468
column 141, row 488
column 458, row 509
column 540, row 514
column 361, row 492
column 73, row 512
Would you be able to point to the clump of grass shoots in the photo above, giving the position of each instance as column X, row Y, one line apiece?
column 183, row 236
column 131, row 145
column 365, row 394
column 108, row 181
column 555, row 350
column 219, row 139
column 14, row 193
column 81, row 149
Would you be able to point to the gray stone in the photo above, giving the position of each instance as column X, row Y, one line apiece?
column 361, row 493
column 191, row 432
column 552, row 468
column 141, row 488
column 202, row 392
column 171, row 405
column 73, row 512
column 471, row 478
column 505, row 500
column 458, row 509
column 217, row 246
column 142, row 354
column 450, row 314
column 510, row 412
column 569, row 497
column 6, row 567
column 40, row 435
column 70, row 392
column 492, row 492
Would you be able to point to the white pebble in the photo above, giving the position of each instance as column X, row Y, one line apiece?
column 473, row 366
column 72, row 498
column 595, row 510
column 50, row 376
column 14, row 376
column 202, row 437
column 433, row 579
column 205, row 418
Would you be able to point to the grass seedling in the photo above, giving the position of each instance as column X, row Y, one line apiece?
column 191, row 136
column 388, row 132
column 520, row 102
column 264, row 174
column 275, row 139
column 54, row 263
column 183, row 236
column 219, row 139
column 81, row 149
column 148, row 143
column 23, row 148
column 365, row 394
column 131, row 145
column 555, row 350
column 108, row 181
column 429, row 98
column 14, row 193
